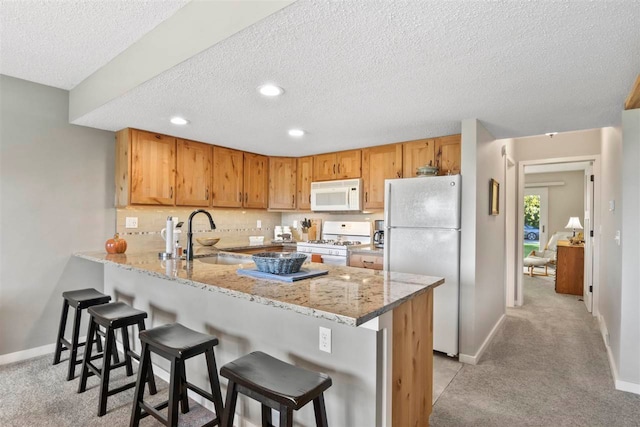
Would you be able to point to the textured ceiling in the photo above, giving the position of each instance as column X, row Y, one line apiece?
column 362, row 73
column 59, row 43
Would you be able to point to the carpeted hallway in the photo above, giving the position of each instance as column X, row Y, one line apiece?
column 547, row 366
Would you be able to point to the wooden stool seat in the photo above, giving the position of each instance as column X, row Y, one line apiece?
column 79, row 300
column 176, row 343
column 276, row 385
column 112, row 316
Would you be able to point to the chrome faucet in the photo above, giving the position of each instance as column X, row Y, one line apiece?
column 189, row 254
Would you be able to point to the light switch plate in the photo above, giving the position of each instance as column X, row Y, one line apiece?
column 258, row 224
column 131, row 222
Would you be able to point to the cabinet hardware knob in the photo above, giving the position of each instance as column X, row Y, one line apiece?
column 366, row 196
column 206, row 194
column 246, row 197
column 171, row 192
column 338, row 167
column 334, row 168
column 240, row 196
column 293, row 200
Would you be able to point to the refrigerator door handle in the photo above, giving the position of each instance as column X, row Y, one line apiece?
column 387, row 206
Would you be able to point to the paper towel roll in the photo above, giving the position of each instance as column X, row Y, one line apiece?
column 169, row 236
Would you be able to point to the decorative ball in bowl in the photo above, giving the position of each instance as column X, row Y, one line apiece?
column 207, row 241
column 279, row 262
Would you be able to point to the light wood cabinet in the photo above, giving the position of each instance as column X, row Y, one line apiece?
column 193, row 173
column 227, row 185
column 304, row 178
column 570, row 268
column 374, row 262
column 341, row 165
column 282, row 182
column 153, row 163
column 256, row 181
column 417, row 153
column 448, row 154
column 379, row 163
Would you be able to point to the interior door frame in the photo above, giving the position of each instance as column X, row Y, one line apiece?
column 590, row 214
column 595, row 158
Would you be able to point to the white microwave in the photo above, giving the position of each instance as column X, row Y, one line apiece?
column 336, row 196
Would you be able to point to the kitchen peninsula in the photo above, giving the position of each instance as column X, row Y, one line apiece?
column 380, row 322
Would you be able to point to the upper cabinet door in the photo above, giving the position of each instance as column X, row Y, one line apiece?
column 282, row 182
column 305, row 176
column 193, row 173
column 378, row 164
column 417, row 153
column 349, row 164
column 227, row 189
column 448, row 154
column 153, row 163
column 256, row 181
column 324, row 167
column 342, row 165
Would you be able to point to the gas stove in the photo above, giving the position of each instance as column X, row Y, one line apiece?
column 337, row 236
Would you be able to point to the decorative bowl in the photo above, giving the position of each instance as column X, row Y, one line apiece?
column 207, row 241
column 427, row 170
column 279, row 262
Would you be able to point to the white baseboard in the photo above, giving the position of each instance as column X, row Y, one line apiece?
column 619, row 384
column 474, row 359
column 19, row 356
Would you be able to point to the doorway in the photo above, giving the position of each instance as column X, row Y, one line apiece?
column 591, row 190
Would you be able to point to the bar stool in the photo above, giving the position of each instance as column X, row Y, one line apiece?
column 176, row 343
column 112, row 316
column 79, row 300
column 275, row 384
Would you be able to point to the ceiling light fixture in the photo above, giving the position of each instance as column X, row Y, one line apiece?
column 551, row 134
column 179, row 121
column 296, row 132
column 270, row 90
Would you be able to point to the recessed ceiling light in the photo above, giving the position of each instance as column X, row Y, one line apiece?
column 270, row 90
column 179, row 121
column 296, row 132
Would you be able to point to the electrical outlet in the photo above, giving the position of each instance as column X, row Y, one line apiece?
column 258, row 224
column 131, row 222
column 175, row 220
column 295, row 224
column 325, row 339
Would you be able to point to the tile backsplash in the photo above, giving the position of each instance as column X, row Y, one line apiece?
column 233, row 226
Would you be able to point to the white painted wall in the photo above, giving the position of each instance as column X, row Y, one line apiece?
column 629, row 368
column 482, row 268
column 610, row 252
column 567, row 144
column 56, row 194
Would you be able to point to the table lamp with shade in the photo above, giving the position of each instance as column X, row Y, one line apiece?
column 574, row 222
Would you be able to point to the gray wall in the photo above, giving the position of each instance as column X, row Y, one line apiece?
column 482, row 255
column 564, row 200
column 629, row 368
column 56, row 195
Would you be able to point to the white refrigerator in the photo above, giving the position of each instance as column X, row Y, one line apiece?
column 422, row 236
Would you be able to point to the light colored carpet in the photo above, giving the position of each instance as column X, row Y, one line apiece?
column 547, row 366
column 35, row 393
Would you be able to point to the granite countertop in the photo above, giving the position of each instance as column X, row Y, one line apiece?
column 347, row 295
